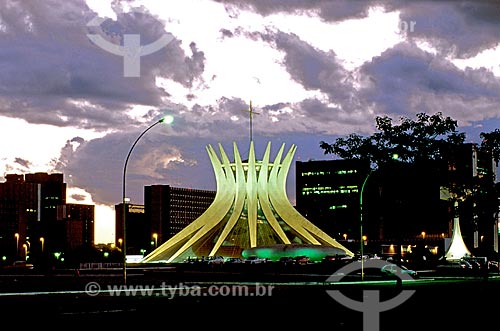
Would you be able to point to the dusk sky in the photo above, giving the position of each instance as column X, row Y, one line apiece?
column 73, row 99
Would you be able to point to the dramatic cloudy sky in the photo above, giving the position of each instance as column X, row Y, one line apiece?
column 313, row 69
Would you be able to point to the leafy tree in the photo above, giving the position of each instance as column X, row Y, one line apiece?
column 491, row 143
column 429, row 137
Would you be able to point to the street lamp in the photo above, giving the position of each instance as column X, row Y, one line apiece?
column 25, row 251
column 362, row 237
column 155, row 237
column 42, row 241
column 17, row 243
column 167, row 119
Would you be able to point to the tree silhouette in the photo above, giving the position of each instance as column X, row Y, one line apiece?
column 428, row 142
column 429, row 137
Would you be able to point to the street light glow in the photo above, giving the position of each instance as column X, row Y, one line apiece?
column 17, row 242
column 155, row 237
column 168, row 119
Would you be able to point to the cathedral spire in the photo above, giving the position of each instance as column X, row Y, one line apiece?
column 251, row 113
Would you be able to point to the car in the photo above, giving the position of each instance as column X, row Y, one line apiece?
column 191, row 260
column 286, row 260
column 454, row 267
column 493, row 266
column 215, row 260
column 20, row 265
column 392, row 269
column 255, row 260
column 302, row 259
column 234, row 260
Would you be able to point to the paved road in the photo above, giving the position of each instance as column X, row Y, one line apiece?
column 201, row 299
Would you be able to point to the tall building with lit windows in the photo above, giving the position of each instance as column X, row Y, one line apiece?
column 166, row 211
column 170, row 209
column 327, row 193
column 36, row 223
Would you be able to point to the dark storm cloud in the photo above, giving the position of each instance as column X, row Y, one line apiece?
column 51, row 72
column 455, row 28
column 98, row 165
column 326, row 9
column 407, row 80
column 318, row 71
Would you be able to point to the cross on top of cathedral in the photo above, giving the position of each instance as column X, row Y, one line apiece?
column 251, row 113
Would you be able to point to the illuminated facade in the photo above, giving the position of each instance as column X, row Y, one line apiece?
column 250, row 209
column 36, row 223
column 170, row 209
column 327, row 193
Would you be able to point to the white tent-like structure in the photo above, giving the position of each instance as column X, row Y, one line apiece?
column 250, row 209
column 457, row 249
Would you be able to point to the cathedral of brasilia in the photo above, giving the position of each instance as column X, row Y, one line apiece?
column 251, row 210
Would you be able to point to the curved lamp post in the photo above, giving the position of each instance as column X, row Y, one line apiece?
column 17, row 243
column 167, row 119
column 42, row 242
column 362, row 237
column 155, row 238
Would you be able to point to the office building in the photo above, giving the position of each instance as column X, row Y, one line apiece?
column 170, row 209
column 79, row 224
column 35, row 219
column 328, row 194
column 166, row 211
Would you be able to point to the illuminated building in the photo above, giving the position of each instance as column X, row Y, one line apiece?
column 33, row 212
column 170, row 209
column 327, row 194
column 250, row 209
column 166, row 211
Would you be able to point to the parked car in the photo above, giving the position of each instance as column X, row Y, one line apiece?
column 255, row 260
column 302, row 259
column 493, row 266
column 286, row 260
column 215, row 260
column 454, row 267
column 234, row 260
column 395, row 270
column 20, row 265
